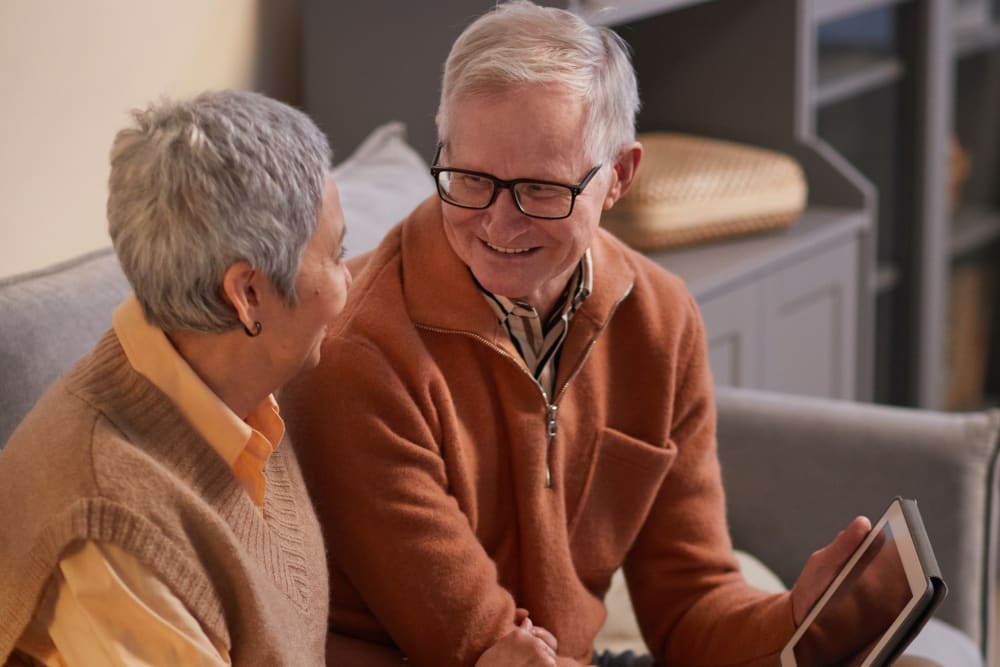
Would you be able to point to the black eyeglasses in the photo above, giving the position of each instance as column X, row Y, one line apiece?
column 547, row 200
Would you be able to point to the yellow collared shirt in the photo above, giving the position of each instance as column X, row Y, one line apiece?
column 104, row 606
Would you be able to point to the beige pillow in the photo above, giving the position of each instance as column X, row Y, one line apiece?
column 621, row 630
column 380, row 183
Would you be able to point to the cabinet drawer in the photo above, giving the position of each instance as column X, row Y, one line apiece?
column 792, row 329
column 732, row 330
column 810, row 314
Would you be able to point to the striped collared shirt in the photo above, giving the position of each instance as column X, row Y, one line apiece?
column 538, row 343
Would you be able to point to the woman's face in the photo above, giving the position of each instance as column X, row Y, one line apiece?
column 321, row 285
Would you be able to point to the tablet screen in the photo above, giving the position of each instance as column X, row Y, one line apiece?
column 864, row 606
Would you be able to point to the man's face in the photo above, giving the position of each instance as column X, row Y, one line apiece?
column 531, row 131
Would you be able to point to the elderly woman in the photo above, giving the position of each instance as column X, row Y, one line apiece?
column 168, row 521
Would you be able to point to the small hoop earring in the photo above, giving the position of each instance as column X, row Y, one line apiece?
column 256, row 329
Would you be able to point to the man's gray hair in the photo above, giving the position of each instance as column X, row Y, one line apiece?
column 520, row 42
column 197, row 185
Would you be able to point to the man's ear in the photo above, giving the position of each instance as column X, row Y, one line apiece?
column 623, row 173
column 240, row 285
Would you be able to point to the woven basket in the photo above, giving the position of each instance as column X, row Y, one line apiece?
column 691, row 189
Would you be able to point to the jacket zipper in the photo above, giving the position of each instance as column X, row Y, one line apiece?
column 551, row 407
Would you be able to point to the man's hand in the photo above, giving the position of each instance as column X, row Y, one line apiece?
column 823, row 565
column 527, row 645
column 521, row 615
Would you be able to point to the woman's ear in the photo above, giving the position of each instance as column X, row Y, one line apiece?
column 240, row 287
column 623, row 173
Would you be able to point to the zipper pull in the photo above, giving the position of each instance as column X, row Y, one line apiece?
column 551, row 427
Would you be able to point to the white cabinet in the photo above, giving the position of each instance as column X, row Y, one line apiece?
column 781, row 309
column 733, row 329
column 810, row 325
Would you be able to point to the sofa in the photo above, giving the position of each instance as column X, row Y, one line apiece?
column 796, row 469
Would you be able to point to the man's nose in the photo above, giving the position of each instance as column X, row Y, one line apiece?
column 506, row 202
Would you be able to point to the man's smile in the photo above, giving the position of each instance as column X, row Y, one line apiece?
column 507, row 251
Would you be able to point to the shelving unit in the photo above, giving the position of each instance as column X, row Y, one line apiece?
column 892, row 129
column 974, row 233
column 600, row 12
column 974, row 227
column 976, row 39
column 886, row 107
column 845, row 75
column 860, row 91
column 945, row 60
column 791, row 310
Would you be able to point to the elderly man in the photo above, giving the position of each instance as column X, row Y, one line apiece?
column 529, row 404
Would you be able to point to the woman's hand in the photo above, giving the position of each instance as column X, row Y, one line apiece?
column 527, row 645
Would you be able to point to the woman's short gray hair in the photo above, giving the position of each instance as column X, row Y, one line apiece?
column 197, row 185
column 520, row 42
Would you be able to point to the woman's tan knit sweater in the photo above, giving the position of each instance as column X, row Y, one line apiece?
column 105, row 456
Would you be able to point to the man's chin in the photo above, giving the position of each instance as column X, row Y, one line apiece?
column 503, row 288
column 310, row 361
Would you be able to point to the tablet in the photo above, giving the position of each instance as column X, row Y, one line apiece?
column 877, row 602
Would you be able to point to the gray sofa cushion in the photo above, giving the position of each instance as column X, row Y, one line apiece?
column 797, row 469
column 49, row 319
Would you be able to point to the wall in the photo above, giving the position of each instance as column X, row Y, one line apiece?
column 406, row 60
column 71, row 71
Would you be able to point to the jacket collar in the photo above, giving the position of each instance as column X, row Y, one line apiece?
column 441, row 294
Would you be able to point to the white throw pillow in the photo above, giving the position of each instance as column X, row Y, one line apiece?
column 380, row 183
column 759, row 575
column 621, row 630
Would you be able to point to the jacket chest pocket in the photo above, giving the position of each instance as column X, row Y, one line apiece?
column 623, row 480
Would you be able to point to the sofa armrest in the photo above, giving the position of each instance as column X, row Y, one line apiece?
column 48, row 319
column 797, row 470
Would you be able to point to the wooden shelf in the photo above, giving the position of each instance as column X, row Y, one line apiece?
column 974, row 227
column 609, row 12
column 714, row 266
column 831, row 10
column 886, row 278
column 972, row 40
column 848, row 73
